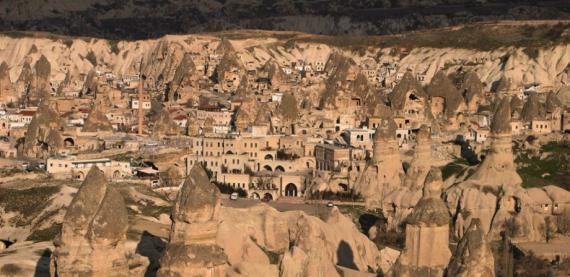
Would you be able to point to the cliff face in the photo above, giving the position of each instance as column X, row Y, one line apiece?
column 547, row 66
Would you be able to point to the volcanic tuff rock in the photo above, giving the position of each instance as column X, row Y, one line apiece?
column 293, row 242
column 422, row 160
column 97, row 121
column 192, row 248
column 44, row 133
column 552, row 103
column 532, row 109
column 400, row 91
column 40, row 86
column 427, row 234
column 164, row 125
column 498, row 168
column 184, row 76
column 341, row 69
column 288, row 108
column 94, row 228
column 472, row 89
column 247, row 112
column 564, row 95
column 166, row 54
column 7, row 94
column 384, row 173
column 441, row 86
column 473, row 256
column 516, row 107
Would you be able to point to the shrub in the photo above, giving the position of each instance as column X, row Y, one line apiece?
column 228, row 189
column 114, row 46
column 28, row 202
column 46, row 234
column 11, row 270
column 350, row 195
column 563, row 222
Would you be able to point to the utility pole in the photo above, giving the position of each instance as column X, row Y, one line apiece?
column 141, row 91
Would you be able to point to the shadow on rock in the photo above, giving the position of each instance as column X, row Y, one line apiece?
column 345, row 256
column 151, row 246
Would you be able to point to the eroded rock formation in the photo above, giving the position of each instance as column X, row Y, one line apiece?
column 473, row 256
column 44, row 133
column 97, row 121
column 192, row 248
column 427, row 234
column 94, row 229
column 164, row 125
column 384, row 173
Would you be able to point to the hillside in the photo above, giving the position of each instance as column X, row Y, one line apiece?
column 135, row 19
column 494, row 51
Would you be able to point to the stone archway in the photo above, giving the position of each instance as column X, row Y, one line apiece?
column 268, row 195
column 68, row 142
column 279, row 168
column 268, row 168
column 343, row 186
column 255, row 195
column 116, row 174
column 291, row 190
column 268, row 157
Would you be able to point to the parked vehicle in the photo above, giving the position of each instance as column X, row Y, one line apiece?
column 234, row 196
column 330, row 204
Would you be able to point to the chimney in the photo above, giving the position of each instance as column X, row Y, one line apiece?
column 141, row 112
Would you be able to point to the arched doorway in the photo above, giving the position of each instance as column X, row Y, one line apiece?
column 268, row 157
column 79, row 175
column 280, row 169
column 116, row 174
column 268, row 168
column 291, row 190
column 68, row 142
column 268, row 196
column 343, row 187
column 255, row 195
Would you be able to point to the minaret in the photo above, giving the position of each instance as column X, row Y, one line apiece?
column 141, row 91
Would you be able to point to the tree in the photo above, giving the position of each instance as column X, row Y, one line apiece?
column 264, row 182
column 11, row 270
column 563, row 221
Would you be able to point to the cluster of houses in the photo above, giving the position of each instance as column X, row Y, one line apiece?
column 253, row 127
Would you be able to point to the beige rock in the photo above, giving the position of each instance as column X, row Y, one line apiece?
column 498, row 168
column 94, row 228
column 385, row 172
column 164, row 125
column 388, row 258
column 427, row 234
column 97, row 121
column 473, row 257
column 254, row 270
column 192, row 248
column 296, row 242
column 44, row 133
column 422, row 161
